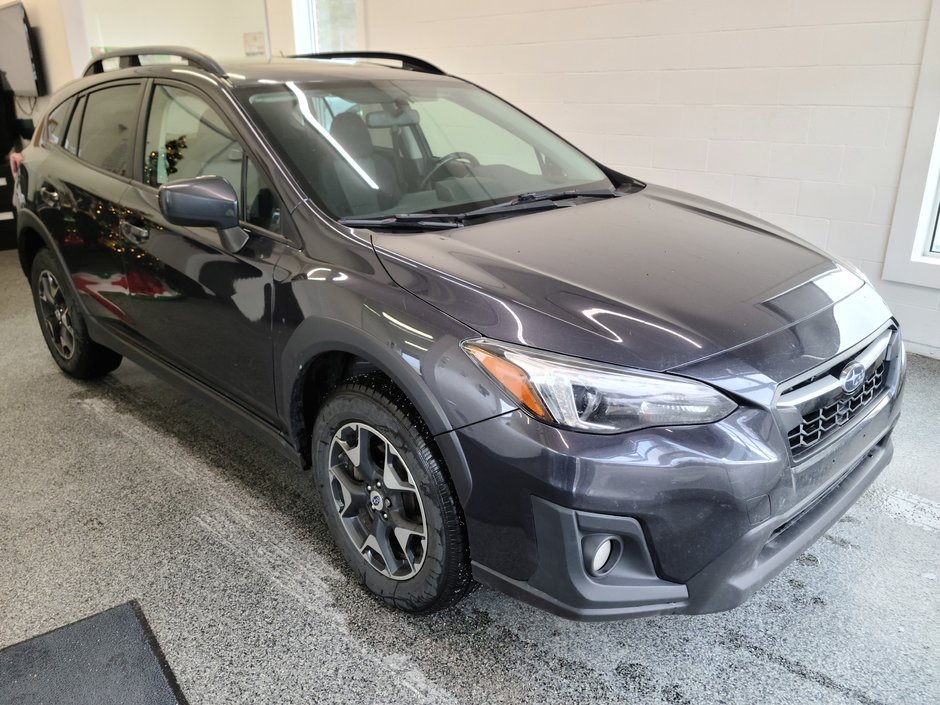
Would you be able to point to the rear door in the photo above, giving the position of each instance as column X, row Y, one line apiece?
column 82, row 180
column 203, row 309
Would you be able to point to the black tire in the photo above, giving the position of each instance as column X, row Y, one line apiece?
column 382, row 414
column 61, row 320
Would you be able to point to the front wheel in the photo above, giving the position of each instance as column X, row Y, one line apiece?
column 388, row 501
column 63, row 325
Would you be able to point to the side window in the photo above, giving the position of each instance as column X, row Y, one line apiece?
column 108, row 127
column 75, row 124
column 262, row 206
column 55, row 124
column 187, row 138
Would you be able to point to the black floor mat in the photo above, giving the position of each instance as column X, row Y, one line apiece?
column 109, row 658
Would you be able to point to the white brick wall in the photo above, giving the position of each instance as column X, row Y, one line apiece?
column 797, row 111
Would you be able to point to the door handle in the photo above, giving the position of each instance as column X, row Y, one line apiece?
column 49, row 196
column 134, row 233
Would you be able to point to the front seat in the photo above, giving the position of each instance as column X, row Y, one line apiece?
column 345, row 191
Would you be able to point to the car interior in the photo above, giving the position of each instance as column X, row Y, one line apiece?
column 365, row 151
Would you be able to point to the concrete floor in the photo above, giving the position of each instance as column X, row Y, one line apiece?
column 124, row 489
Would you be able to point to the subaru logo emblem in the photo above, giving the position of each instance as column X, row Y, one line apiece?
column 852, row 377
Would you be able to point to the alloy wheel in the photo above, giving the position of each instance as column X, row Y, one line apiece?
column 377, row 501
column 56, row 314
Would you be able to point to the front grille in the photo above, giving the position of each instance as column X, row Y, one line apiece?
column 820, row 424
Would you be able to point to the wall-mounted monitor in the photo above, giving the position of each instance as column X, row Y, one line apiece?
column 20, row 61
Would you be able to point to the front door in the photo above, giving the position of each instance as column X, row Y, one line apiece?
column 203, row 309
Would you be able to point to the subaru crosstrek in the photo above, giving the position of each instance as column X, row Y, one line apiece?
column 502, row 361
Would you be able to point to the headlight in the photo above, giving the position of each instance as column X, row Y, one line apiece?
column 589, row 396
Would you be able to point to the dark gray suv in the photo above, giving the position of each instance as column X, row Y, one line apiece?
column 500, row 360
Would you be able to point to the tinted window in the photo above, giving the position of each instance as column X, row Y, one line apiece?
column 108, row 126
column 75, row 124
column 55, row 125
column 187, row 138
column 262, row 206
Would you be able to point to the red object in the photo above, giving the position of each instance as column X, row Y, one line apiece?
column 142, row 283
column 16, row 158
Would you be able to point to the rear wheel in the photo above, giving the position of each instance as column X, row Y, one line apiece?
column 388, row 501
column 63, row 325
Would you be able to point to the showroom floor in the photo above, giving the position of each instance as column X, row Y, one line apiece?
column 125, row 490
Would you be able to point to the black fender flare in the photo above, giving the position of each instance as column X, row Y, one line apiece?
column 316, row 336
column 27, row 220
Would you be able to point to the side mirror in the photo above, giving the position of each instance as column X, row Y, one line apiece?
column 206, row 201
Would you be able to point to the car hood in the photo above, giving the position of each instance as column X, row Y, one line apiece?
column 654, row 279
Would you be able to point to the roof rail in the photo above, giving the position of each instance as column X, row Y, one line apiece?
column 131, row 57
column 411, row 63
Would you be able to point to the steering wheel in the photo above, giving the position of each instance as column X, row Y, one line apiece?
column 443, row 161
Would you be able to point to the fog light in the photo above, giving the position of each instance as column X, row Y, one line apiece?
column 601, row 553
column 601, row 556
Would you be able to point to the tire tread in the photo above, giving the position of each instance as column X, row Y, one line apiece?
column 457, row 580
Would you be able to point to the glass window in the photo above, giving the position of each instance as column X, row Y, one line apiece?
column 410, row 146
column 325, row 25
column 108, row 127
column 55, row 124
column 187, row 138
column 75, row 124
column 450, row 127
column 262, row 206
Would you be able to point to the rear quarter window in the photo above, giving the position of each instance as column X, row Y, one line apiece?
column 54, row 128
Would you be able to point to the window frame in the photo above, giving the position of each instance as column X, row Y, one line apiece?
column 935, row 239
column 908, row 258
column 289, row 235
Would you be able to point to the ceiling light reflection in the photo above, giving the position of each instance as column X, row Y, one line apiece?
column 405, row 326
column 308, row 116
column 592, row 314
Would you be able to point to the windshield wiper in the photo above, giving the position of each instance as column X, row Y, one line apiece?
column 444, row 221
column 563, row 195
column 416, row 221
column 540, row 201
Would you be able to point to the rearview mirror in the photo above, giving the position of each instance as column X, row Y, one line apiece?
column 206, row 201
column 382, row 118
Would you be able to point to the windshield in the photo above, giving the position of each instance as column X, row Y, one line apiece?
column 370, row 148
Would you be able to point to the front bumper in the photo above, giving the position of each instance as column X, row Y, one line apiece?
column 705, row 515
